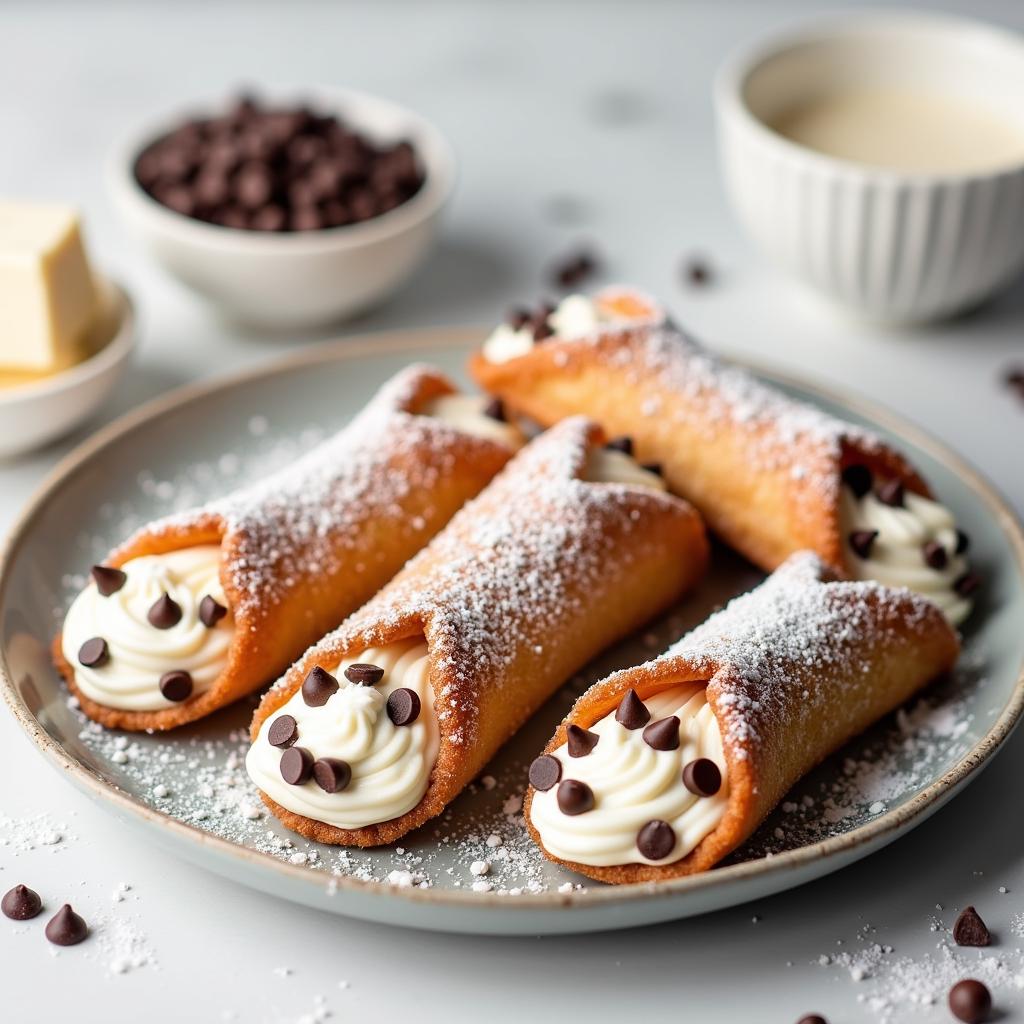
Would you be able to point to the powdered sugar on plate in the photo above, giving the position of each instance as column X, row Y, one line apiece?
column 199, row 769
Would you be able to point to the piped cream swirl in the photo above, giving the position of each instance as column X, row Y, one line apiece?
column 391, row 764
column 896, row 555
column 634, row 784
column 574, row 317
column 139, row 653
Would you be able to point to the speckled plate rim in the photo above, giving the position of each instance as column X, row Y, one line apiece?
column 799, row 863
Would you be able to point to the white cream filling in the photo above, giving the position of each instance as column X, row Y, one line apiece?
column 466, row 413
column 575, row 317
column 391, row 764
column 610, row 466
column 139, row 653
column 896, row 557
column 634, row 784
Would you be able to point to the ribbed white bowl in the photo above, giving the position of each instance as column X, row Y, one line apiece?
column 893, row 246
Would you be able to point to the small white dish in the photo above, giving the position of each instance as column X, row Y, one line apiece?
column 35, row 413
column 295, row 279
column 892, row 245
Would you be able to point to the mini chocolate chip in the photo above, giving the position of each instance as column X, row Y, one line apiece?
column 165, row 612
column 66, row 928
column 862, row 541
column 621, row 444
column 574, row 270
column 283, row 731
column 656, row 840
column 652, row 467
column 318, row 686
column 211, row 612
column 632, row 713
column 296, row 766
column 542, row 331
column 892, row 493
column 574, row 797
column 580, row 742
column 517, row 319
column 94, row 653
column 332, row 775
column 858, row 478
column 663, row 734
column 697, row 272
column 545, row 772
column 970, row 1001
column 934, row 553
column 963, row 542
column 967, row 584
column 364, row 675
column 21, row 903
column 176, row 685
column 403, row 706
column 702, row 777
column 495, row 409
column 970, row 930
column 108, row 581
column 812, row 1018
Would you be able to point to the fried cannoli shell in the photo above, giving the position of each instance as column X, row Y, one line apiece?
column 304, row 548
column 763, row 469
column 526, row 584
column 794, row 670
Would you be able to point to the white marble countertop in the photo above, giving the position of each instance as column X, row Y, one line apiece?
column 608, row 105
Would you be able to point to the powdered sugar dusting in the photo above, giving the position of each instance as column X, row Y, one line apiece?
column 298, row 521
column 798, row 619
column 710, row 395
column 512, row 569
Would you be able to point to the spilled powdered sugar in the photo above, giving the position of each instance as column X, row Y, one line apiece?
column 894, row 987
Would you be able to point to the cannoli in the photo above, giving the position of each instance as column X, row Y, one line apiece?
column 661, row 770
column 379, row 726
column 202, row 607
column 770, row 475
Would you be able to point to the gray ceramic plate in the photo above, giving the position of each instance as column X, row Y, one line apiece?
column 188, row 790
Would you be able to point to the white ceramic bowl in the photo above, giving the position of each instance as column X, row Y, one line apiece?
column 33, row 414
column 296, row 279
column 894, row 246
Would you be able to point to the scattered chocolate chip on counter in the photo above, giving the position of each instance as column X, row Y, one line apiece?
column 970, row 1001
column 66, row 928
column 574, row 269
column 269, row 168
column 697, row 272
column 812, row 1018
column 21, row 903
column 970, row 930
column 1014, row 378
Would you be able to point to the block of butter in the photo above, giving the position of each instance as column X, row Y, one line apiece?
column 48, row 298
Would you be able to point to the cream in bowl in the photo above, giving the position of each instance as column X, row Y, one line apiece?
column 879, row 157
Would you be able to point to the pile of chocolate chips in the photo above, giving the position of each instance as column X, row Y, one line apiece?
column 277, row 169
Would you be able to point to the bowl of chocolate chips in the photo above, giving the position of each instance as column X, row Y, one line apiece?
column 291, row 213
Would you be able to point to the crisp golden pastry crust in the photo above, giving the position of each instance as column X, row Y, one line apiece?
column 794, row 669
column 763, row 470
column 526, row 584
column 306, row 547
